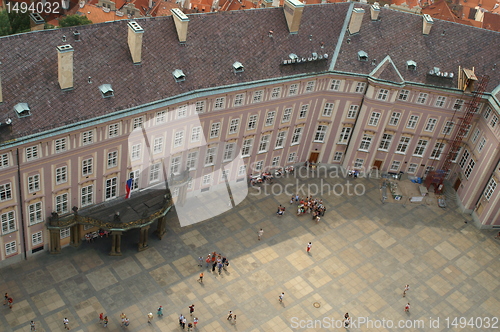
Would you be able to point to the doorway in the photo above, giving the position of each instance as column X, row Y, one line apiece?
column 377, row 164
column 313, row 158
column 457, row 184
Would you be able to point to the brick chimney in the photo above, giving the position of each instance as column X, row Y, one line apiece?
column 374, row 12
column 428, row 21
column 181, row 24
column 293, row 13
column 36, row 22
column 356, row 20
column 65, row 66
column 135, row 33
column 267, row 3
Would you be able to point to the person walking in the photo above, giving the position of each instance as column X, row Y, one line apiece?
column 150, row 317
column 200, row 261
column 10, row 301
column 234, row 319
column 32, row 326
column 191, row 309
column 126, row 322
column 220, row 266
column 230, row 315
column 260, row 233
column 407, row 288
column 208, row 260
column 347, row 322
column 160, row 311
column 282, row 295
column 200, row 280
column 195, row 321
column 184, row 321
column 6, row 299
column 66, row 323
column 407, row 307
column 101, row 318
column 309, row 246
column 105, row 321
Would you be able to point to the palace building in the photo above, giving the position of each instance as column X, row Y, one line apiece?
column 200, row 101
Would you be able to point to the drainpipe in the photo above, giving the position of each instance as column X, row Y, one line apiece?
column 355, row 122
column 21, row 205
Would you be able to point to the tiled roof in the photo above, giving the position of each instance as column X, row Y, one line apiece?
column 386, row 71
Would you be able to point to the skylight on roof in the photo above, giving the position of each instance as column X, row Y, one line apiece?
column 22, row 110
column 362, row 56
column 238, row 67
column 411, row 65
column 179, row 75
column 106, row 90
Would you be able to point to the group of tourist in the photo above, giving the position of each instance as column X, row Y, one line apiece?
column 260, row 178
column 94, row 235
column 218, row 262
column 309, row 205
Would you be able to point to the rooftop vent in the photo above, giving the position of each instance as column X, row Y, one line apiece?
column 76, row 35
column 374, row 12
column 22, row 110
column 6, row 123
column 106, row 90
column 238, row 67
column 179, row 75
column 411, row 65
column 362, row 56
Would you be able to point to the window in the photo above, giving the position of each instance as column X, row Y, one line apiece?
column 448, row 127
column 335, row 85
column 385, row 142
column 219, row 103
column 154, row 172
column 111, row 188
column 291, row 157
column 459, row 103
column 87, row 166
column 238, row 99
column 252, row 122
column 4, row 160
column 5, row 192
column 328, row 109
column 420, row 148
column 247, row 147
column 467, row 130
column 233, row 126
column 257, row 96
column 112, row 159
column 192, row 158
column 287, row 115
column 303, row 111
column 394, row 120
column 61, row 175
column 137, row 123
column 214, row 131
column 275, row 162
column 136, row 152
column 258, row 165
column 360, row 87
column 36, row 238
column 276, row 93
column 403, row 95
column 320, row 134
column 437, row 150
column 344, row 135
column 382, row 94
column 210, row 157
column 296, row 136
column 481, row 144
column 412, row 168
column 494, row 121
column 464, row 158
column 440, row 101
column 134, row 175
column 412, row 122
column 487, row 112
column 35, row 213
column 207, row 179
column 31, row 153
column 490, row 189
column 87, row 195
column 431, row 124
column 456, row 154
column 475, row 135
column 65, row 232
column 280, row 139
column 404, row 141
column 175, row 165
column 10, row 248
column 228, row 151
column 469, row 168
column 113, row 130
column 264, row 140
column 359, row 163
column 87, row 137
column 366, row 141
column 60, row 145
column 242, row 170
column 179, row 138
column 224, row 174
column 199, row 107
column 310, row 86
column 395, row 165
column 182, row 111
column 34, row 183
column 374, row 118
column 8, row 222
column 353, row 110
column 270, row 118
column 428, row 169
column 62, row 203
column 422, row 97
column 195, row 134
column 293, row 89
column 161, row 117
column 338, row 156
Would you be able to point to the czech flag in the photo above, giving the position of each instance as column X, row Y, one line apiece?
column 128, row 187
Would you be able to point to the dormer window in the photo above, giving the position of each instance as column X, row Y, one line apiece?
column 179, row 75
column 238, row 67
column 362, row 56
column 106, row 90
column 22, row 110
column 411, row 65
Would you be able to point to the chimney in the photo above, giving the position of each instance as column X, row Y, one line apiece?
column 356, row 20
column 428, row 21
column 181, row 24
column 268, row 3
column 293, row 13
column 65, row 66
column 186, row 4
column 135, row 33
column 36, row 22
column 374, row 11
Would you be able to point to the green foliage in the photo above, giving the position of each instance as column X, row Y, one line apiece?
column 19, row 22
column 74, row 20
column 4, row 23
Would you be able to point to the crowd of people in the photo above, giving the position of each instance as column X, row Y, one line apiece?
column 310, row 205
column 260, row 178
column 91, row 236
column 218, row 261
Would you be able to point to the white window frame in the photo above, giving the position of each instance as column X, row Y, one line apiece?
column 394, row 119
column 337, row 157
column 210, row 156
column 111, row 188
column 234, row 126
column 160, row 117
column 276, row 161
column 437, row 151
column 440, row 101
column 358, row 163
column 374, row 119
column 422, row 98
column 5, row 192
column 4, row 160
column 458, row 104
column 276, row 93
column 293, row 89
column 345, row 133
column 366, row 142
column 181, row 112
column 60, row 145
column 403, row 144
column 112, row 159
column 242, row 170
column 113, row 130
column 412, row 168
column 264, row 143
column 10, row 248
column 303, row 111
column 481, row 144
column 207, row 179
column 335, row 85
column 490, row 189
column 464, row 158
column 493, row 121
column 475, row 136
column 136, row 152
column 200, row 107
column 195, row 134
column 420, row 148
column 382, row 94
column 239, row 99
column 297, row 134
column 175, row 165
column 287, row 115
column 87, row 137
column 228, row 151
column 137, row 122
column 252, row 122
column 61, row 175
column 61, row 203
column 64, row 232
column 154, row 172
column 412, row 121
column 219, row 103
column 246, row 149
column 353, row 111
column 448, row 128
column 310, row 86
column 385, row 142
column 36, row 238
column 9, row 223
column 395, row 165
column 215, row 130
column 280, row 139
column 258, row 96
column 470, row 167
column 192, row 159
column 328, row 109
column 34, row 183
column 87, row 195
column 403, row 95
column 431, row 125
column 360, row 87
column 35, row 213
column 31, row 153
column 270, row 118
column 292, row 157
column 320, row 134
column 179, row 139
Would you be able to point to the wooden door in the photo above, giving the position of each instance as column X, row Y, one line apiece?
column 457, row 184
column 377, row 164
column 313, row 158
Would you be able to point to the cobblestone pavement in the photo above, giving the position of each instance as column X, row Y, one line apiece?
column 363, row 254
